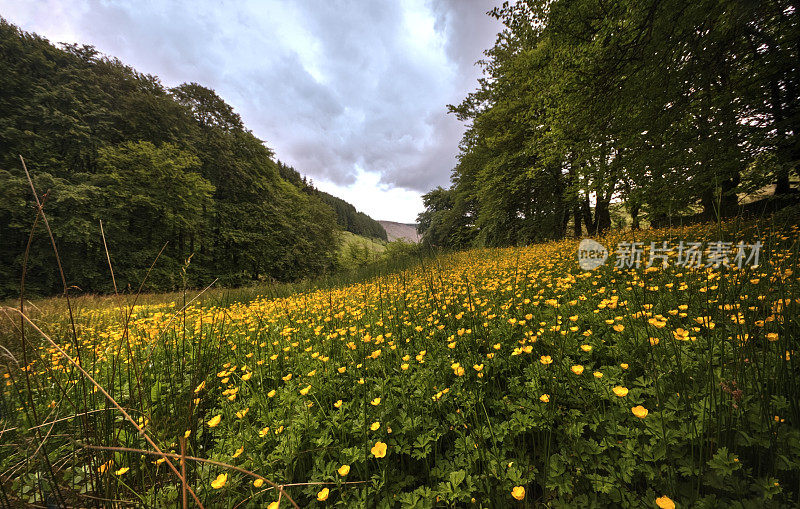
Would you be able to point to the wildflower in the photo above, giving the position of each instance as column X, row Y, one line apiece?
column 305, row 390
column 459, row 371
column 241, row 413
column 665, row 502
column 271, row 393
column 247, row 376
column 772, row 336
column 375, row 425
column 263, row 432
column 620, row 391
column 287, row 377
column 639, row 411
column 654, row 341
column 379, row 449
column 200, row 387
column 404, row 366
column 121, row 471
column 220, row 481
column 577, row 369
column 238, row 452
column 546, row 359
column 598, row 374
column 623, row 366
column 273, row 505
column 545, row 398
column 338, row 404
column 375, row 402
column 518, row 492
column 619, row 327
column 342, row 369
column 258, row 483
column 586, row 348
column 214, row 421
column 323, row 494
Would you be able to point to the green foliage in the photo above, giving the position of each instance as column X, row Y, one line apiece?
column 664, row 105
column 347, row 217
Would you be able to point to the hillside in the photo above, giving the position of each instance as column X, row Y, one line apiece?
column 400, row 231
column 497, row 375
column 172, row 173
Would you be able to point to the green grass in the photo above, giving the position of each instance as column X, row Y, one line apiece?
column 485, row 374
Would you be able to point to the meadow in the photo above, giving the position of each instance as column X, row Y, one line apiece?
column 485, row 378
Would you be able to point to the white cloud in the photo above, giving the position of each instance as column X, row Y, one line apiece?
column 350, row 93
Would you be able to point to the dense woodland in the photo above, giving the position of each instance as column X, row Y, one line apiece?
column 159, row 167
column 669, row 107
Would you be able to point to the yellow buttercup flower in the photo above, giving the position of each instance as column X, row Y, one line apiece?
column 375, row 402
column 258, row 483
column 546, row 359
column 586, row 348
column 639, row 411
column 271, row 393
column 664, row 502
column 545, row 398
column 214, row 421
column 518, row 492
column 577, row 369
column 273, row 505
column 304, row 391
column 338, row 404
column 375, row 425
column 121, row 471
column 238, row 452
column 379, row 449
column 323, row 494
column 620, row 391
column 220, row 481
column 344, row 470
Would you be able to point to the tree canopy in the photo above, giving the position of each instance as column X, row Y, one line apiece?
column 666, row 106
column 159, row 167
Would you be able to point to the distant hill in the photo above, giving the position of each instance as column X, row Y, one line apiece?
column 400, row 231
column 347, row 216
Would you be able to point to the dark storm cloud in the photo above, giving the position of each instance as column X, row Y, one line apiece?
column 333, row 87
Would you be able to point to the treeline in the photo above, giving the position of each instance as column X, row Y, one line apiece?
column 669, row 107
column 347, row 217
column 172, row 169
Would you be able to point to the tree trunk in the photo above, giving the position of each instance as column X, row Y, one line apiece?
column 576, row 215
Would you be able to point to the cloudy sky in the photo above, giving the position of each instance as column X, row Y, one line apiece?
column 351, row 93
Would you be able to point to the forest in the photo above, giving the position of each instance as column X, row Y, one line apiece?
column 666, row 109
column 172, row 173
